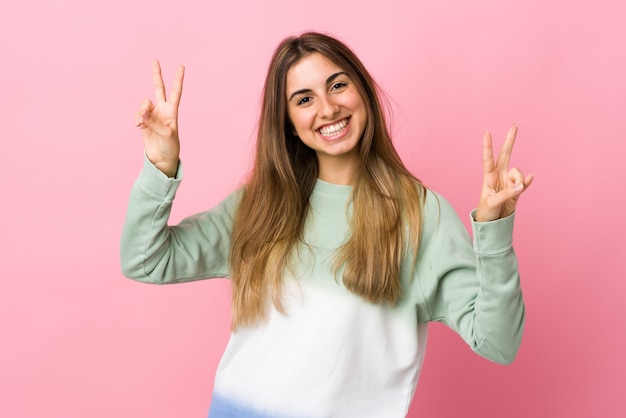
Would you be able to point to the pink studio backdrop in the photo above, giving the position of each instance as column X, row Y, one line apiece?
column 79, row 340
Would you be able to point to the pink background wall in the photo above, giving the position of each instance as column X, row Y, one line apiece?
column 79, row 340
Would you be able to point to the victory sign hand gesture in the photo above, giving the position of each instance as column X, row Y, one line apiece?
column 502, row 186
column 159, row 122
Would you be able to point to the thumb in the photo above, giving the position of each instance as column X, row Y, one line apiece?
column 510, row 193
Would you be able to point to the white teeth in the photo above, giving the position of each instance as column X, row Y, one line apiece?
column 334, row 129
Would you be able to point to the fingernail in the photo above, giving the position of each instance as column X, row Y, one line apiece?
column 518, row 187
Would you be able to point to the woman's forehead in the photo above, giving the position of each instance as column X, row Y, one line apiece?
column 310, row 71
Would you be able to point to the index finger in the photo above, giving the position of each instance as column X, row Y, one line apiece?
column 157, row 80
column 507, row 148
column 177, row 86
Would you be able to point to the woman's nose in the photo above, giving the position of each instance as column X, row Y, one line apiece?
column 328, row 108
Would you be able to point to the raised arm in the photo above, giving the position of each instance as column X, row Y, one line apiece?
column 475, row 289
column 151, row 250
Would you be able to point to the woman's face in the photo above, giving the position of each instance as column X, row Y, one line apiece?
column 328, row 114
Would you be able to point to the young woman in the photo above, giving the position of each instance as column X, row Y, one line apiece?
column 337, row 255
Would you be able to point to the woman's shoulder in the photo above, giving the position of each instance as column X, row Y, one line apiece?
column 436, row 207
column 230, row 203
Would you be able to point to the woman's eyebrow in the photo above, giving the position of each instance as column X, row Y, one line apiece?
column 329, row 80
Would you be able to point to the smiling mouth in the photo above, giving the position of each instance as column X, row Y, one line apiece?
column 334, row 129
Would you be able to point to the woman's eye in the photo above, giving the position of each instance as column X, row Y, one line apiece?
column 303, row 100
column 339, row 86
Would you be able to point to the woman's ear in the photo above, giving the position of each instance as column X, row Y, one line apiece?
column 291, row 129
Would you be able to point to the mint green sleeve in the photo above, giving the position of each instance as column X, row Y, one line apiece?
column 151, row 251
column 473, row 287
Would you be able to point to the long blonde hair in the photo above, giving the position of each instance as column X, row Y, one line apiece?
column 270, row 220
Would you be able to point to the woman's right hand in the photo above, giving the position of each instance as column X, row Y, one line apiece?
column 159, row 122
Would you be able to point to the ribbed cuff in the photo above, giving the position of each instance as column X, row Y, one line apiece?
column 154, row 182
column 494, row 236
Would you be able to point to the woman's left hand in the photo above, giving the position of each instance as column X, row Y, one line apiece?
column 502, row 186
